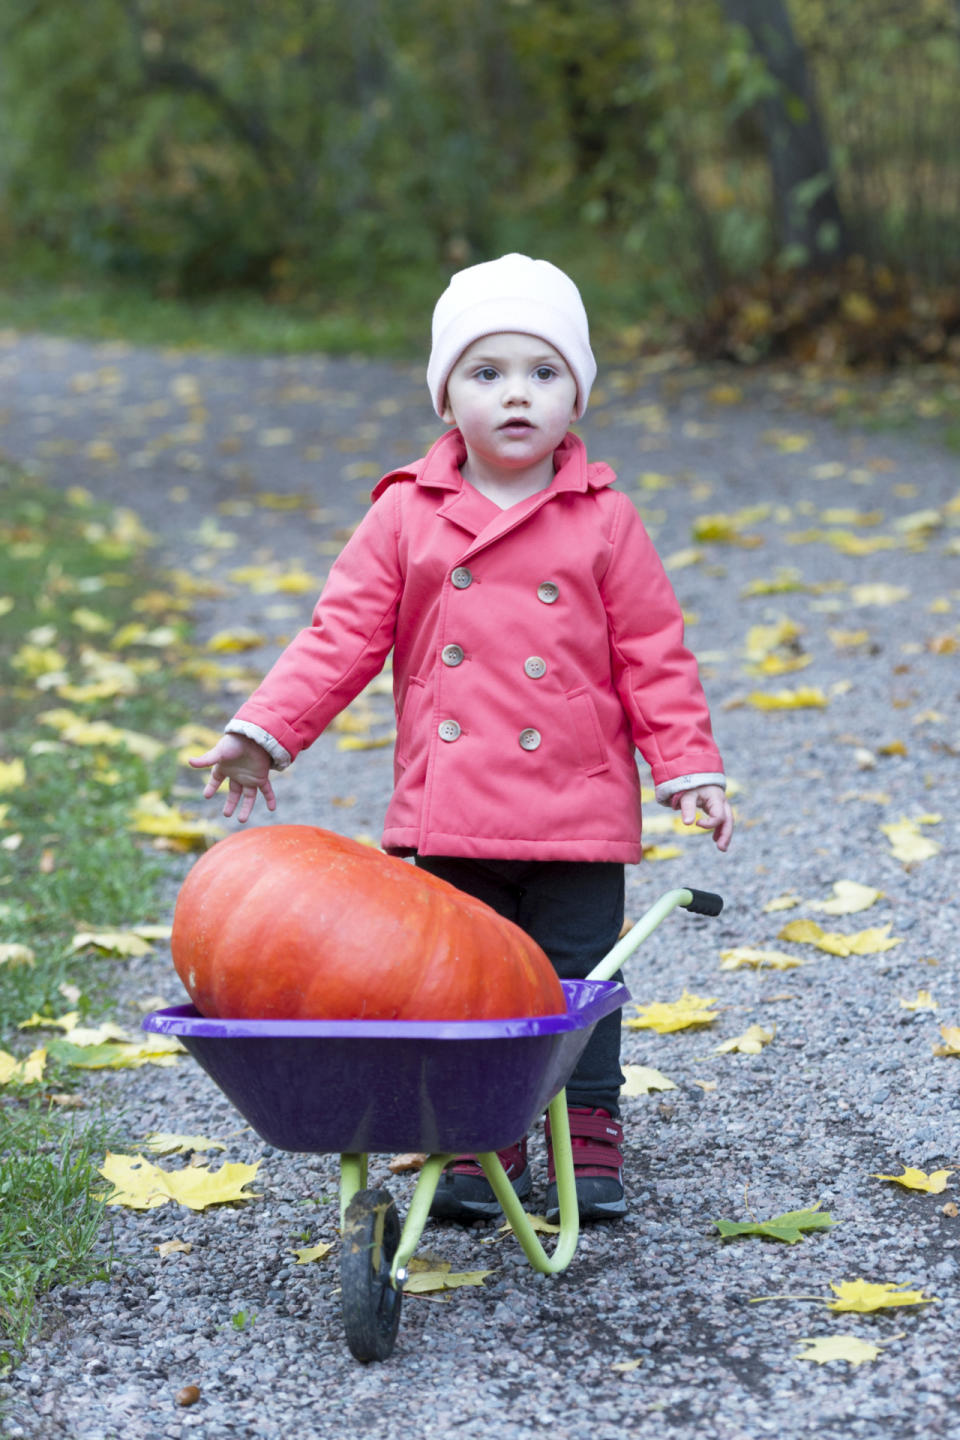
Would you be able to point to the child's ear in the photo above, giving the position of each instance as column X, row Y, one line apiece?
column 446, row 414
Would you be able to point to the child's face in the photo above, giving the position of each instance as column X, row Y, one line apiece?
column 513, row 398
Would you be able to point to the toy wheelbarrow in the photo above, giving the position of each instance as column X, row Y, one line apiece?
column 361, row 1087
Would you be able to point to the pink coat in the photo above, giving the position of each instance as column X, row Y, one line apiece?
column 535, row 649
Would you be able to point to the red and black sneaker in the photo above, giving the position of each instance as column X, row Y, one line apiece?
column 597, row 1140
column 464, row 1192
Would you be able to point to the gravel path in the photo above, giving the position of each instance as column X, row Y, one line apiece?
column 849, row 1086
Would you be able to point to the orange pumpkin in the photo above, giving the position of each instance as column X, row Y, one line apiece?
column 295, row 922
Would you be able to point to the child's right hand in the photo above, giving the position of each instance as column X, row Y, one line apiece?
column 246, row 766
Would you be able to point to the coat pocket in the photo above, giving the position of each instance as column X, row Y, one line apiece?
column 408, row 719
column 586, row 723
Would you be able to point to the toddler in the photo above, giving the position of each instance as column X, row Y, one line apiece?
column 537, row 645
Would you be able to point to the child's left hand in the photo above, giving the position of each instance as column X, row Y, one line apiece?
column 716, row 808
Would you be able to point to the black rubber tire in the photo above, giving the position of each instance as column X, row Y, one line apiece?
column 369, row 1303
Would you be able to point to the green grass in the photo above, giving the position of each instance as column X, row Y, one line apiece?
column 72, row 578
column 390, row 318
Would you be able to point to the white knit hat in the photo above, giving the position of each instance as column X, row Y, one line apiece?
column 513, row 294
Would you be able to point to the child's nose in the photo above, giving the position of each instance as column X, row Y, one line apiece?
column 517, row 391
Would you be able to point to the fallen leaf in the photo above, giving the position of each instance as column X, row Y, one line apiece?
column 13, row 775
column 805, row 697
column 781, row 902
column 951, row 1035
column 751, row 1042
column 907, row 844
column 848, row 897
column 666, row 1017
column 863, row 942
column 13, row 954
column 789, row 1227
column 824, row 1348
column 623, row 1367
column 864, row 1297
column 641, row 1079
column 405, row 1164
column 878, row 593
column 138, row 1185
column 164, row 1142
column 229, row 642
column 748, row 955
column 924, row 1001
column 539, row 1223
column 111, row 942
column 313, row 1252
column 933, row 1184
column 153, row 816
column 174, row 1247
column 22, row 1072
column 426, row 1282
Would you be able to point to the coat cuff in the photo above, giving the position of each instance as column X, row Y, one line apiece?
column 281, row 758
column 665, row 792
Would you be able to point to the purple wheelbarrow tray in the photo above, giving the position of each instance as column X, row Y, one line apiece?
column 386, row 1086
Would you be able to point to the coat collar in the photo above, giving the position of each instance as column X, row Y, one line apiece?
column 439, row 469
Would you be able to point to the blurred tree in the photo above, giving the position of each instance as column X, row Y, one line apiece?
column 810, row 222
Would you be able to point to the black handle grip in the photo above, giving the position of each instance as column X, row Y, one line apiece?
column 703, row 902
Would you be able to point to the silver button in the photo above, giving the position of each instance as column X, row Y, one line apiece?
column 535, row 667
column 461, row 577
column 529, row 739
column 548, row 592
column 448, row 730
column 451, row 655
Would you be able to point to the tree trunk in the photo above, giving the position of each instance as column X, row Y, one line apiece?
column 810, row 221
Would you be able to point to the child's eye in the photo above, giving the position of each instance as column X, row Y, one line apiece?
column 486, row 372
column 545, row 372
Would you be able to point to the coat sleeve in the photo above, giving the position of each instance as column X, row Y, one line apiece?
column 327, row 665
column 655, row 674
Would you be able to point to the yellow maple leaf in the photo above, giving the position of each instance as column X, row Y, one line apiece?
column 751, row 1042
column 13, row 774
column 138, row 1185
column 365, row 742
column 424, row 1282
column 748, row 955
column 824, row 1348
column 76, row 731
column 22, row 1072
column 878, row 593
column 924, row 1001
column 933, row 1184
column 666, row 1017
column 848, row 897
column 907, row 844
column 13, row 953
column 641, row 1079
column 229, row 642
column 153, row 816
column 805, row 697
column 951, row 1035
column 863, row 1296
column 111, row 942
column 313, row 1252
column 662, row 852
column 863, row 942
column 781, row 902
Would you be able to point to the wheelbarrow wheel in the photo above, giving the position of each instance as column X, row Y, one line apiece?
column 370, row 1304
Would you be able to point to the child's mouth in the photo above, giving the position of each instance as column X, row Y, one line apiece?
column 516, row 426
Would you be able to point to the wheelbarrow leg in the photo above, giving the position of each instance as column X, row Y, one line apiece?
column 353, row 1178
column 566, row 1192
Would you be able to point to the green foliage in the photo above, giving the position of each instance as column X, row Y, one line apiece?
column 327, row 154
column 68, row 860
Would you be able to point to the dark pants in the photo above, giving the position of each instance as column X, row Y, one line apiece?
column 574, row 911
